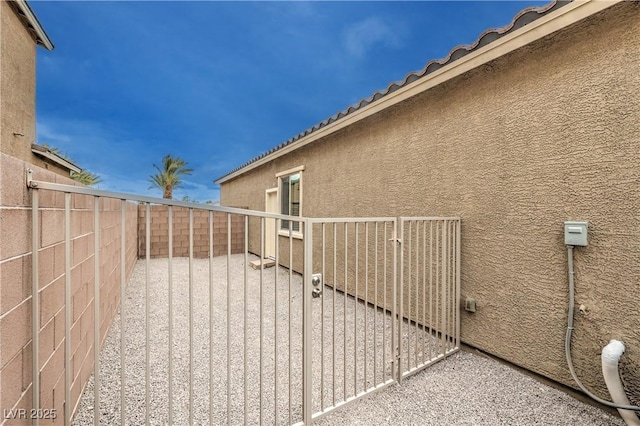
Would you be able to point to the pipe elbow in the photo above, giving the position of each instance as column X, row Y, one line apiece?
column 610, row 357
column 612, row 352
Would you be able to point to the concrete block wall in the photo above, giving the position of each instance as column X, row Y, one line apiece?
column 16, row 284
column 159, row 232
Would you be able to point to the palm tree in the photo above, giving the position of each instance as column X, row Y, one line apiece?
column 86, row 178
column 168, row 177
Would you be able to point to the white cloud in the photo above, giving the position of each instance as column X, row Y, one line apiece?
column 48, row 135
column 363, row 36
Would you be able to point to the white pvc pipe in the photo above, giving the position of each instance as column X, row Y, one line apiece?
column 610, row 357
column 567, row 345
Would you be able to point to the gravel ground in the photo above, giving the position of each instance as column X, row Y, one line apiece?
column 463, row 389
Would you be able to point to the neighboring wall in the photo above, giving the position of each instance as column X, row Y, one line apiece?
column 17, row 132
column 15, row 284
column 159, row 232
column 545, row 134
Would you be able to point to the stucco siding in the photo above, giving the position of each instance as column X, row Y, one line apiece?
column 18, row 91
column 545, row 134
column 17, row 86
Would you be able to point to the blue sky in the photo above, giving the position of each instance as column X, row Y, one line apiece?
column 218, row 83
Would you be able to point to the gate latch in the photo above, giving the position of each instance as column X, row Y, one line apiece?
column 395, row 238
column 316, row 280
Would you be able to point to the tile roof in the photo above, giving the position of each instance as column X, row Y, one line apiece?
column 522, row 18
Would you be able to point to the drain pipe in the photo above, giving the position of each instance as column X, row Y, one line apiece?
column 610, row 357
column 622, row 405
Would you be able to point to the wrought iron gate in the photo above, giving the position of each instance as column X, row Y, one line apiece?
column 348, row 306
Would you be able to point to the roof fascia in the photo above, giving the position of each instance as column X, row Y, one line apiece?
column 41, row 35
column 44, row 152
column 541, row 27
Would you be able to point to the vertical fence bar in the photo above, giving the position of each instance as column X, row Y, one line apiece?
column 35, row 302
column 344, row 314
column 458, row 225
column 375, row 312
column 443, row 296
column 384, row 311
column 445, row 285
column 261, row 314
column 68, row 376
column 424, row 290
column 211, row 318
column 123, row 284
column 190, row 316
column 96, row 312
column 366, row 297
column 229, row 318
column 307, row 372
column 417, row 300
column 450, row 318
column 409, row 287
column 289, row 312
column 246, row 316
column 333, row 310
column 453, row 285
column 430, row 288
column 449, row 285
column 170, row 281
column 355, row 317
column 322, row 318
column 146, row 311
column 437, row 284
column 445, row 265
column 400, row 314
column 275, row 325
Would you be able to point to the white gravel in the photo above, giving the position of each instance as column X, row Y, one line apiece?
column 464, row 389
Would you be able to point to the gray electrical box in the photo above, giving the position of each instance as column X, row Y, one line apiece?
column 575, row 233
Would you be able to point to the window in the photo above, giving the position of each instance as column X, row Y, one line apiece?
column 290, row 197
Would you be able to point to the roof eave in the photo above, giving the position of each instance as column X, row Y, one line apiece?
column 47, row 153
column 541, row 27
column 33, row 24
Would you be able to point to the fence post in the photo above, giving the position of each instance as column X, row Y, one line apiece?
column 307, row 338
column 399, row 237
column 35, row 303
column 458, row 224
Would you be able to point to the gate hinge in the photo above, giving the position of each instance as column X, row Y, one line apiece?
column 30, row 182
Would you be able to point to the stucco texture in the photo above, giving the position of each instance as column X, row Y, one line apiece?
column 18, row 90
column 18, row 84
column 546, row 134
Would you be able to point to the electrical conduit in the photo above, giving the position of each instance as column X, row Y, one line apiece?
column 621, row 404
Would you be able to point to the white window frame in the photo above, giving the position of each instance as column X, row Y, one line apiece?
column 280, row 175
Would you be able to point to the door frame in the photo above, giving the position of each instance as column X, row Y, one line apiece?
column 271, row 233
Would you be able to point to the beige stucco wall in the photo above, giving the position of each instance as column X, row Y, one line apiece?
column 548, row 133
column 17, row 85
column 18, row 90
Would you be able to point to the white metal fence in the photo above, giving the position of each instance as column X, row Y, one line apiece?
column 351, row 307
column 429, row 291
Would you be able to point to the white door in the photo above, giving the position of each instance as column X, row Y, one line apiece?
column 270, row 233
